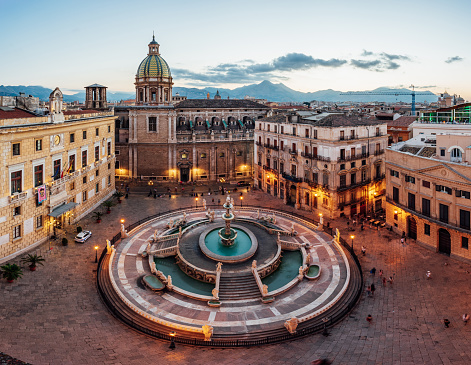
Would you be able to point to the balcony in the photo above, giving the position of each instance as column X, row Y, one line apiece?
column 269, row 169
column 293, row 152
column 347, row 138
column 353, row 186
column 291, row 178
column 357, row 156
column 379, row 177
column 315, row 157
column 379, row 152
column 18, row 197
column 258, row 143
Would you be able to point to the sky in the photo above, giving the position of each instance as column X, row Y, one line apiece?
column 308, row 45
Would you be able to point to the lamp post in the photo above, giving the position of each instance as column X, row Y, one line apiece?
column 122, row 220
column 96, row 254
column 172, row 341
column 196, row 202
column 241, row 198
column 352, row 237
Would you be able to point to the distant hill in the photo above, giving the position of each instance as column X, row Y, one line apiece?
column 264, row 90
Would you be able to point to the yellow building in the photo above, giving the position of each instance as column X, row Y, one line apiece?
column 68, row 156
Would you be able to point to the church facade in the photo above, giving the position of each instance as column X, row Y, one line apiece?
column 164, row 139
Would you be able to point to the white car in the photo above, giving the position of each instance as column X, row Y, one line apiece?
column 83, row 236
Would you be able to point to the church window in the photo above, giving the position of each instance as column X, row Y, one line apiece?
column 203, row 155
column 221, row 154
column 184, row 155
column 152, row 124
column 39, row 144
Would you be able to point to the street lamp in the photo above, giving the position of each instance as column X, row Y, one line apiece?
column 352, row 237
column 196, row 202
column 96, row 254
column 241, row 198
column 122, row 220
column 172, row 341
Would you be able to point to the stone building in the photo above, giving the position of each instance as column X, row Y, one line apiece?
column 55, row 169
column 182, row 140
column 329, row 163
column 429, row 190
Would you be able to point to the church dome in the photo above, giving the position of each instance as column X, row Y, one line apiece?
column 153, row 66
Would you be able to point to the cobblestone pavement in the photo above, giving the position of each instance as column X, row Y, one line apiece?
column 54, row 315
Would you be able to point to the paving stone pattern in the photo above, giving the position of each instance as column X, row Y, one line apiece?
column 54, row 315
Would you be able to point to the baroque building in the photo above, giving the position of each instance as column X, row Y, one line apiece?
column 329, row 163
column 177, row 139
column 55, row 169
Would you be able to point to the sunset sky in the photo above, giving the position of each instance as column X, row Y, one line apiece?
column 307, row 45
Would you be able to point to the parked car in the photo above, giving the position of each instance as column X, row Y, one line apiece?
column 83, row 236
column 243, row 183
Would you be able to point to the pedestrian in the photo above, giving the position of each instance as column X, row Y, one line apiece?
column 348, row 226
column 368, row 291
column 465, row 318
column 373, row 288
column 391, row 280
column 363, row 250
column 446, row 322
column 429, row 275
column 402, row 241
column 354, row 223
column 373, row 271
column 369, row 318
column 380, row 273
column 384, row 281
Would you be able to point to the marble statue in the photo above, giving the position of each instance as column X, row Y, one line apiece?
column 219, row 266
column 278, row 239
column 291, row 325
column 254, row 264
column 308, row 259
column 264, row 289
column 273, row 218
column 301, row 271
column 228, row 200
column 208, row 332
column 124, row 233
column 155, row 236
column 212, row 216
column 148, row 248
column 108, row 246
column 204, row 204
column 215, row 293
column 258, row 213
column 321, row 220
column 153, row 268
column 180, row 231
column 170, row 223
column 184, row 216
column 169, row 282
column 337, row 235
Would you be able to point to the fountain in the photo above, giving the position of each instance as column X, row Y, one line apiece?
column 227, row 234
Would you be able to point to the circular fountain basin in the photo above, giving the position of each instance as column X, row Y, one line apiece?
column 244, row 247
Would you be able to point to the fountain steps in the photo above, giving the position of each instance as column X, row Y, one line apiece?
column 240, row 287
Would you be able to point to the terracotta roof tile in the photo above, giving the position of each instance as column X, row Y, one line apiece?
column 15, row 113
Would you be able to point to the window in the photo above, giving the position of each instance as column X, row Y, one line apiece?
column 306, row 198
column 342, row 166
column 282, row 145
column 314, row 136
column 282, row 167
column 455, row 155
column 239, row 153
column 342, row 135
column 353, row 179
column 38, row 175
column 443, row 213
column 109, row 166
column 342, row 154
column 268, row 127
column 16, row 185
column 427, row 229
column 363, row 175
column 16, row 149
column 426, row 184
column 84, row 158
column 71, row 167
column 363, row 150
column 72, row 137
column 410, row 179
column 443, row 189
column 84, row 135
column 221, row 154
column 282, row 129
column 97, row 172
column 39, row 221
column 97, row 132
column 97, row 188
column 377, row 132
column 275, row 165
column 394, row 173
column 314, row 151
column 462, row 194
column 16, row 211
column 306, row 134
column 109, row 180
column 315, row 177
column 84, row 196
column 97, row 153
column 268, row 162
column 152, row 124
column 38, row 144
column 72, row 185
column 84, row 180
column 17, row 231
column 293, row 170
column 203, row 155
column 464, row 242
column 352, row 165
column 464, row 219
column 442, row 152
column 57, row 169
column 395, row 194
column 363, row 162
column 294, row 131
column 411, row 201
column 426, row 207
column 109, row 129
column 343, row 180
column 325, row 201
column 325, row 179
column 399, row 139
column 108, row 149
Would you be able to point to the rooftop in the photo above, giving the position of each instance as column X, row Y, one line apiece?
column 220, row 104
column 15, row 113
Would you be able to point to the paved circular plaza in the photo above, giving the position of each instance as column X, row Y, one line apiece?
column 55, row 315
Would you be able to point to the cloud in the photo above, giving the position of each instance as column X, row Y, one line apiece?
column 454, row 59
column 381, row 62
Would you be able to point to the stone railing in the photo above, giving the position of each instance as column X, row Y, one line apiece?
column 194, row 271
column 165, row 252
column 18, row 197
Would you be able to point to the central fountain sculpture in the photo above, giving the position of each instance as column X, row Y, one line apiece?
column 227, row 234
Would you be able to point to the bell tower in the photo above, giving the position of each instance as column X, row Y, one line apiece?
column 95, row 97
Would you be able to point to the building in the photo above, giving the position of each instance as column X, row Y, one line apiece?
column 400, row 129
column 329, row 163
column 55, row 169
column 428, row 183
column 21, row 101
column 177, row 139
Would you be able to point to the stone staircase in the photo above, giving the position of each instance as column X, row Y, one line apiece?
column 238, row 286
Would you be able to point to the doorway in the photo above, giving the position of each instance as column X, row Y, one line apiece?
column 411, row 228
column 444, row 241
column 184, row 174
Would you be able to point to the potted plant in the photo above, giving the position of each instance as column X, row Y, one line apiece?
column 65, row 241
column 97, row 216
column 108, row 204
column 11, row 272
column 33, row 260
column 118, row 195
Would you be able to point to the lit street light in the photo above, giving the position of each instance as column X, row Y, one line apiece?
column 172, row 342
column 241, row 198
column 96, row 254
column 352, row 237
column 196, row 202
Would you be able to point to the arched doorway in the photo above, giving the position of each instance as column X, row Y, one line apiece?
column 444, row 241
column 291, row 198
column 411, row 228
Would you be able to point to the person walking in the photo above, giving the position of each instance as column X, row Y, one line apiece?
column 373, row 271
column 363, row 250
column 380, row 273
column 429, row 275
column 369, row 318
column 446, row 322
column 384, row 281
column 465, row 318
column 368, row 291
column 373, row 288
column 391, row 280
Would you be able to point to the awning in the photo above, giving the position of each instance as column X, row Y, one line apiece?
column 62, row 209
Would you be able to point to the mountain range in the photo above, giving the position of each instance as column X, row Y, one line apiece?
column 264, row 90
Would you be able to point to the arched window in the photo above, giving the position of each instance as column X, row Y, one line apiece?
column 455, row 155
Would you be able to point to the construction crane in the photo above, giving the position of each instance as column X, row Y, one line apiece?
column 412, row 93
